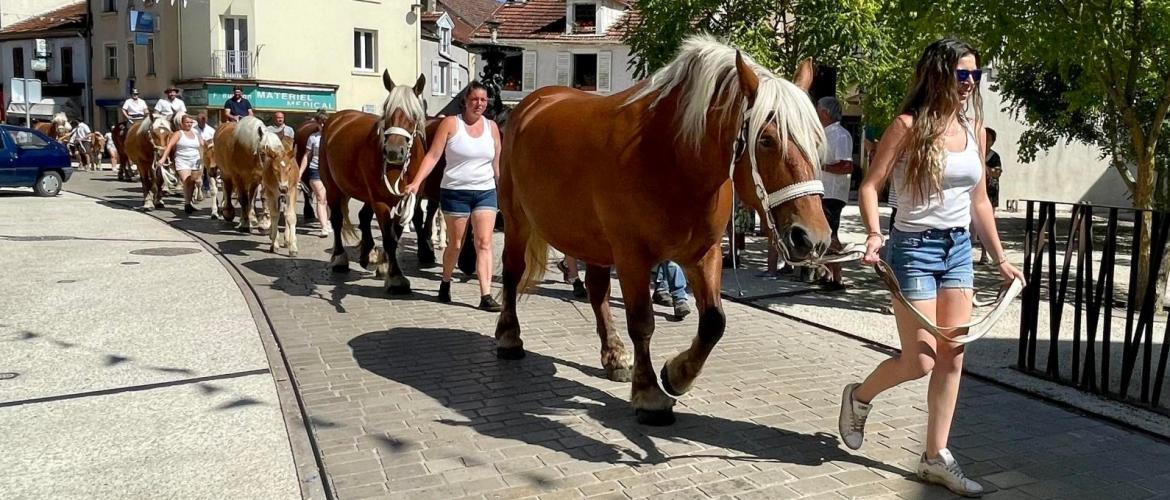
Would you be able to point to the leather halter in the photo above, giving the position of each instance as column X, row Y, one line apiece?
column 405, row 206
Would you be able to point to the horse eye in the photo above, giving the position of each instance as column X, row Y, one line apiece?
column 767, row 142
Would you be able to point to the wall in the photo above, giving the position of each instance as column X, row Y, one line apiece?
column 1069, row 172
column 80, row 66
column 430, row 52
column 546, row 64
column 285, row 55
column 113, row 27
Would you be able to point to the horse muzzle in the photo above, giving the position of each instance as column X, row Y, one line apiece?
column 802, row 243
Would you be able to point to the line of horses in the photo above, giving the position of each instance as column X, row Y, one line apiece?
column 621, row 181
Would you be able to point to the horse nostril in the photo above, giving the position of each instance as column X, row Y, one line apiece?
column 799, row 239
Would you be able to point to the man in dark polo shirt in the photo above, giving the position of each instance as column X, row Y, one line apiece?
column 237, row 106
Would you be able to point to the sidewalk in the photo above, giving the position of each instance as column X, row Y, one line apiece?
column 407, row 400
column 132, row 365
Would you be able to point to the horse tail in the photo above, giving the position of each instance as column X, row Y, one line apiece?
column 535, row 262
column 349, row 235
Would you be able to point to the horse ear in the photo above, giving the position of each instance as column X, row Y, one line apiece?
column 386, row 80
column 260, row 130
column 804, row 74
column 749, row 83
column 420, row 84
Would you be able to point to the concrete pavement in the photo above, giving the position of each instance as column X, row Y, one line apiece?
column 407, row 400
column 134, row 366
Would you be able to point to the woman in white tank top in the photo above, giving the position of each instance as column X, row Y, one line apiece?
column 188, row 147
column 471, row 144
column 933, row 151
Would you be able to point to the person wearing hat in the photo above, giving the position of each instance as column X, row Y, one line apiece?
column 134, row 108
column 171, row 107
column 237, row 106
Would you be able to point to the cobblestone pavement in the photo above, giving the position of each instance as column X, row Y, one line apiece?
column 407, row 400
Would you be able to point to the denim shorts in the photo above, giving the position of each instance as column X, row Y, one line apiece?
column 928, row 260
column 462, row 202
column 313, row 174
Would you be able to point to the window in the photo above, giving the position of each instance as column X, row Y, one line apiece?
column 513, row 73
column 130, row 70
column 150, row 56
column 110, row 6
column 25, row 140
column 364, row 55
column 444, row 40
column 66, row 64
column 584, row 18
column 18, row 62
column 585, row 72
column 111, row 52
column 440, row 78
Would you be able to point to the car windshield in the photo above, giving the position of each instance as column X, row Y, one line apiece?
column 27, row 140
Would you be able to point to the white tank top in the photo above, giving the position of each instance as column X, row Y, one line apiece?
column 961, row 172
column 187, row 151
column 469, row 159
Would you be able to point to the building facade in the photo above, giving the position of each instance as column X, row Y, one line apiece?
column 58, row 35
column 294, row 56
column 574, row 43
column 448, row 59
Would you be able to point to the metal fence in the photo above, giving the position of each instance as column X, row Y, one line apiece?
column 1095, row 364
column 233, row 64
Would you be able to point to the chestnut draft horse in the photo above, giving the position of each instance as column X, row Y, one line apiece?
column 118, row 134
column 646, row 175
column 250, row 157
column 363, row 156
column 58, row 129
column 145, row 141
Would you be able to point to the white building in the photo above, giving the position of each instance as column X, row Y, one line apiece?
column 574, row 43
column 63, row 78
column 447, row 27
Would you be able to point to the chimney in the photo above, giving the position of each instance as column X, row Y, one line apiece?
column 429, row 6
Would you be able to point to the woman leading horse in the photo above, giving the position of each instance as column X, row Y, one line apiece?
column 645, row 176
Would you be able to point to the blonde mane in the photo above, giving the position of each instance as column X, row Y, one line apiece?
column 402, row 97
column 705, row 73
column 62, row 122
column 253, row 134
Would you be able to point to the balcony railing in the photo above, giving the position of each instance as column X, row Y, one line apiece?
column 233, row 64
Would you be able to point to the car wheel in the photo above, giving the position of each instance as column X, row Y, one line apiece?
column 49, row 184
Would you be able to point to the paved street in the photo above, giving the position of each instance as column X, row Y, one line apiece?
column 407, row 400
column 132, row 365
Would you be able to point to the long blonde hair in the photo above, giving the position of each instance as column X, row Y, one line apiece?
column 932, row 101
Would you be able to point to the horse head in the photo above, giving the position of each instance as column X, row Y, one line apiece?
column 403, row 120
column 275, row 156
column 160, row 134
column 780, row 148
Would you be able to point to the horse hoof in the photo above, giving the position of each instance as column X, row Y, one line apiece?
column 510, row 353
column 618, row 374
column 399, row 290
column 662, row 375
column 214, row 217
column 292, row 253
column 159, row 205
column 245, row 230
column 656, row 418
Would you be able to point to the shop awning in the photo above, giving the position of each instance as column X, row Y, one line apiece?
column 45, row 109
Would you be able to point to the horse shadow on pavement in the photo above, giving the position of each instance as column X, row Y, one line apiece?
column 527, row 401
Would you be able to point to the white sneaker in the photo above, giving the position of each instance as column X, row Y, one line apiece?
column 851, row 423
column 944, row 470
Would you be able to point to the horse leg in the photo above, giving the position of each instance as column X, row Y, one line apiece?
column 229, row 190
column 213, row 194
column 247, row 207
column 290, row 223
column 339, row 262
column 651, row 405
column 680, row 372
column 271, row 205
column 145, row 180
column 158, row 188
column 396, row 282
column 424, row 225
column 614, row 357
column 508, row 342
column 366, row 246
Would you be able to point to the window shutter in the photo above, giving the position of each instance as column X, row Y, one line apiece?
column 604, row 67
column 563, row 61
column 436, row 78
column 528, row 83
column 456, row 86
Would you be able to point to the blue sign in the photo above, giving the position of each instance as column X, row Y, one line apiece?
column 143, row 22
column 141, row 38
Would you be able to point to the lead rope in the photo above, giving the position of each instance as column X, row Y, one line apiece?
column 406, row 202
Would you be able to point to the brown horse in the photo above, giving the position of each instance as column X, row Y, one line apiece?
column 145, row 141
column 363, row 157
column 58, row 129
column 248, row 155
column 123, row 166
column 646, row 175
column 97, row 146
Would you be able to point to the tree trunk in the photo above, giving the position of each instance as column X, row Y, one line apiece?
column 1160, row 298
column 1143, row 200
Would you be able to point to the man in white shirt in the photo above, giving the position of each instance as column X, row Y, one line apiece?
column 80, row 140
column 279, row 127
column 171, row 106
column 835, row 174
column 134, row 108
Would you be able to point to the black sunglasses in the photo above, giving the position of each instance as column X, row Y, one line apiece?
column 964, row 74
